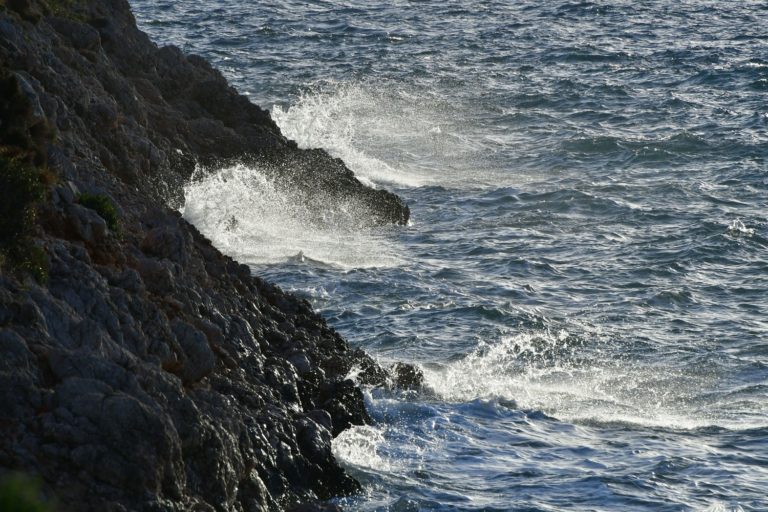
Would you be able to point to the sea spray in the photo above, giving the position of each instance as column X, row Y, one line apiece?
column 584, row 279
column 388, row 132
column 256, row 219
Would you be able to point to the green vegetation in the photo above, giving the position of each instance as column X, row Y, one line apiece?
column 104, row 206
column 22, row 494
column 32, row 259
column 21, row 189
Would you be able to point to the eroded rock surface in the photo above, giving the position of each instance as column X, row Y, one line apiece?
column 149, row 371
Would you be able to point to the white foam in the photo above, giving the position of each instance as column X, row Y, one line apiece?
column 253, row 219
column 738, row 227
column 383, row 132
column 543, row 371
column 719, row 506
column 359, row 447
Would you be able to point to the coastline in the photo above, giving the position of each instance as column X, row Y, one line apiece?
column 142, row 369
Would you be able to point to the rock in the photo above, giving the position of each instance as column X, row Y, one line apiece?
column 151, row 372
column 407, row 376
column 81, row 36
column 27, row 9
column 157, row 276
column 37, row 114
column 199, row 359
column 103, row 113
column 165, row 242
column 301, row 362
column 316, row 507
column 87, row 225
column 321, row 417
column 345, row 404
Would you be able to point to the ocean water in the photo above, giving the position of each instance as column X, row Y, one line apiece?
column 585, row 278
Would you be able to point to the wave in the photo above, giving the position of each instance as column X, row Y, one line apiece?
column 387, row 133
column 558, row 374
column 256, row 220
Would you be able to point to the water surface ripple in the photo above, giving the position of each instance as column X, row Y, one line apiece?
column 585, row 279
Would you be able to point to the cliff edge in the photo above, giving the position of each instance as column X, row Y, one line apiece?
column 141, row 369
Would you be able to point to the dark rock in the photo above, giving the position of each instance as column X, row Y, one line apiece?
column 301, row 362
column 199, row 359
column 157, row 275
column 27, row 9
column 36, row 114
column 315, row 507
column 151, row 372
column 103, row 113
column 87, row 225
column 407, row 376
column 321, row 417
column 81, row 36
column 345, row 404
column 165, row 242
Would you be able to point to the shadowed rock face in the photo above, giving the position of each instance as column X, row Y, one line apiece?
column 151, row 372
column 147, row 114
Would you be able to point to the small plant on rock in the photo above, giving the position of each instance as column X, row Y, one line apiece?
column 104, row 206
column 21, row 494
column 21, row 189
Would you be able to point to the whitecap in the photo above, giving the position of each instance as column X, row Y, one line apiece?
column 254, row 219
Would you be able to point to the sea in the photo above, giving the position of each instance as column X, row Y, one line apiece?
column 584, row 280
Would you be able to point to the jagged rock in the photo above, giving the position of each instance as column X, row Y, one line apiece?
column 199, row 359
column 150, row 372
column 165, row 242
column 36, row 114
column 301, row 362
column 345, row 404
column 27, row 9
column 88, row 225
column 157, row 275
column 407, row 376
column 81, row 36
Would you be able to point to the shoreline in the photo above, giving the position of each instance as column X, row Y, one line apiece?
column 142, row 369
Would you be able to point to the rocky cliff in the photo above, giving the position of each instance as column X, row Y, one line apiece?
column 141, row 369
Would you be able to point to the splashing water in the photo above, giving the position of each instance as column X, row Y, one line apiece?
column 584, row 280
column 251, row 217
column 386, row 132
column 563, row 377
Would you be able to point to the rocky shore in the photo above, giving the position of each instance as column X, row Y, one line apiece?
column 140, row 368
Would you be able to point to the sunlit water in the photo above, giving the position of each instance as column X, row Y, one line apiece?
column 585, row 278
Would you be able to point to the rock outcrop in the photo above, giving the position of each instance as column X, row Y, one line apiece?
column 141, row 369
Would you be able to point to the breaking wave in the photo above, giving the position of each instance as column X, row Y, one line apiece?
column 386, row 133
column 256, row 220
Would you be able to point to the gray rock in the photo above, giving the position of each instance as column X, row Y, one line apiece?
column 87, row 225
column 157, row 275
column 37, row 115
column 27, row 9
column 81, row 36
column 199, row 359
column 165, row 242
column 301, row 362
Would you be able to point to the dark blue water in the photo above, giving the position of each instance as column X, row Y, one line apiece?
column 585, row 279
